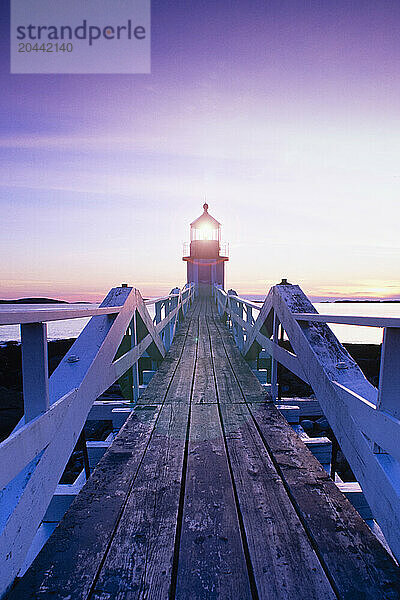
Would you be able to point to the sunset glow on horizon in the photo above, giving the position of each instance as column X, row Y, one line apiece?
column 284, row 115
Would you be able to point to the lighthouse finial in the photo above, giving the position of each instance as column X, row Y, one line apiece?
column 205, row 206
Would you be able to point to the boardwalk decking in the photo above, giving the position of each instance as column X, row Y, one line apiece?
column 207, row 493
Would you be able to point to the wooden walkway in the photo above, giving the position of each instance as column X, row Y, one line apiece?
column 207, row 493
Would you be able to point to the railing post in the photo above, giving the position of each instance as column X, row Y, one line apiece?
column 185, row 295
column 135, row 367
column 226, row 314
column 389, row 375
column 249, row 314
column 233, row 323
column 216, row 298
column 35, row 371
column 167, row 328
column 249, row 317
column 279, row 366
column 231, row 309
column 239, row 328
column 223, row 306
column 274, row 363
column 179, row 308
column 172, row 321
column 158, row 311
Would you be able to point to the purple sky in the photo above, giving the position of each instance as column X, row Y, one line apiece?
column 284, row 114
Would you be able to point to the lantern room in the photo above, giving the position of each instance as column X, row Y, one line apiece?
column 206, row 256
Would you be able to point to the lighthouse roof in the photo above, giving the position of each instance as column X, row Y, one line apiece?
column 205, row 218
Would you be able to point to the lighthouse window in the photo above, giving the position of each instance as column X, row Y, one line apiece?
column 205, row 232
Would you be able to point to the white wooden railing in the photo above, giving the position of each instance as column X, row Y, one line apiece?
column 34, row 456
column 364, row 419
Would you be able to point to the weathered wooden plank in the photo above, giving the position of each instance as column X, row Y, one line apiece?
column 254, row 391
column 68, row 563
column 281, row 554
column 234, row 362
column 101, row 336
column 139, row 561
column 309, row 407
column 211, row 558
column 357, row 563
column 156, row 392
column 75, row 567
column 355, row 560
column 25, row 501
column 211, row 540
column 280, row 551
column 204, row 385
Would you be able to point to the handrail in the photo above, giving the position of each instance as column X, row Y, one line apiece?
column 364, row 419
column 44, row 315
column 249, row 303
column 364, row 321
column 19, row 315
column 360, row 320
column 239, row 299
column 56, row 408
column 151, row 301
column 245, row 302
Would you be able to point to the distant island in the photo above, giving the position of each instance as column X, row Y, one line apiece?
column 363, row 301
column 40, row 301
column 34, row 301
column 348, row 301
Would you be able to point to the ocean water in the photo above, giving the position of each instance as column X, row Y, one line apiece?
column 355, row 334
column 56, row 330
column 71, row 328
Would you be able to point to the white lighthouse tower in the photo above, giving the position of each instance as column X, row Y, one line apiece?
column 207, row 256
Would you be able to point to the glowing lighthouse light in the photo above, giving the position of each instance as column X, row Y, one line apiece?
column 205, row 228
column 206, row 232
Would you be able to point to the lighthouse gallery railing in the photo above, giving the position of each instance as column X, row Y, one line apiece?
column 364, row 419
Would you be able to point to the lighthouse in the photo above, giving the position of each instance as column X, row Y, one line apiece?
column 206, row 256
